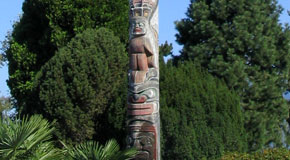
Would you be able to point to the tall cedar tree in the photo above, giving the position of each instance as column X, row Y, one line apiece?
column 47, row 25
column 243, row 43
column 83, row 87
column 201, row 117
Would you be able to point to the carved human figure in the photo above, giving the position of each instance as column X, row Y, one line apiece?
column 141, row 54
column 141, row 46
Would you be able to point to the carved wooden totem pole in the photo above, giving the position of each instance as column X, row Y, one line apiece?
column 143, row 93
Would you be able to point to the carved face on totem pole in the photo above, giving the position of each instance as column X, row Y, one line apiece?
column 139, row 26
column 143, row 139
column 141, row 13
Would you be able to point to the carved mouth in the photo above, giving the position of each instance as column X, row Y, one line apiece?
column 143, row 155
column 137, row 30
column 140, row 109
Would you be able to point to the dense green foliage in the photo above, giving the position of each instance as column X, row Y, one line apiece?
column 31, row 139
column 83, row 87
column 5, row 104
column 27, row 139
column 243, row 43
column 65, row 66
column 200, row 116
column 1, row 60
column 268, row 154
column 95, row 151
column 47, row 25
column 68, row 17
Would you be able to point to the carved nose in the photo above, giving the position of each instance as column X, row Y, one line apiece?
column 136, row 97
column 137, row 145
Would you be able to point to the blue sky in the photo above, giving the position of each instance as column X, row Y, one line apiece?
column 10, row 11
column 169, row 12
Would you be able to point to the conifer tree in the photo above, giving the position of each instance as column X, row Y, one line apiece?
column 83, row 88
column 201, row 117
column 243, row 43
column 46, row 26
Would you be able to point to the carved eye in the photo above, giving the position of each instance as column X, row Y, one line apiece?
column 145, row 141
column 137, row 13
column 130, row 141
column 146, row 13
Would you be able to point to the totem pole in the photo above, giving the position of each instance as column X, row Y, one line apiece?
column 143, row 91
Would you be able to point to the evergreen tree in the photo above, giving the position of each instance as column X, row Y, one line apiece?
column 200, row 117
column 164, row 51
column 243, row 43
column 83, row 87
column 1, row 60
column 5, row 104
column 47, row 25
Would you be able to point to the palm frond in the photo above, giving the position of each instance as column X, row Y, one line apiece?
column 26, row 138
column 95, row 151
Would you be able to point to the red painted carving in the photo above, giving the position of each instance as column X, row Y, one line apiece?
column 138, row 62
column 141, row 55
column 139, row 99
column 140, row 109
